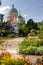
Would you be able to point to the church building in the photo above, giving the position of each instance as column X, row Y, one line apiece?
column 12, row 18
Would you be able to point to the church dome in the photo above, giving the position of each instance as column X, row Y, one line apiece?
column 12, row 15
column 13, row 10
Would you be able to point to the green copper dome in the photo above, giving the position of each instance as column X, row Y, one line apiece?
column 13, row 10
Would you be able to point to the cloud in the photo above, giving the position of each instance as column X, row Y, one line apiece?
column 25, row 15
column 4, row 9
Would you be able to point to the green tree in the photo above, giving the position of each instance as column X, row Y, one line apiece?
column 20, row 24
column 31, row 24
column 5, row 29
column 40, row 25
column 25, row 30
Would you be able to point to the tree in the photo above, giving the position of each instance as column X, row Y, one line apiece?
column 5, row 29
column 20, row 25
column 25, row 30
column 31, row 24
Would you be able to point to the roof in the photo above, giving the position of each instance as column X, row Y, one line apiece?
column 13, row 9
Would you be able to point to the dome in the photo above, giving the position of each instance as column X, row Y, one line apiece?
column 12, row 15
column 13, row 10
column 20, row 16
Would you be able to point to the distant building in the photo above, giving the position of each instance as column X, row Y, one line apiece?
column 12, row 15
column 21, row 19
column 12, row 18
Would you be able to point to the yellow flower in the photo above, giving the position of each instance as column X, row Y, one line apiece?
column 25, row 64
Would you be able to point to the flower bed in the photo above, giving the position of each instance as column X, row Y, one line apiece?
column 5, row 59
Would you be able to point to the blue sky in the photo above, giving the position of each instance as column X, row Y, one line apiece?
column 29, row 8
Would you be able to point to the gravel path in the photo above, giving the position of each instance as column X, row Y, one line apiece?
column 12, row 46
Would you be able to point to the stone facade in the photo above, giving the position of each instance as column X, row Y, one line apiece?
column 12, row 18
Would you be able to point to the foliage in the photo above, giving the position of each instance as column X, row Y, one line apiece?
column 30, row 27
column 31, row 24
column 40, row 35
column 6, row 30
column 40, row 50
column 13, row 61
column 23, row 30
column 40, row 25
column 34, row 47
column 31, row 34
column 22, row 27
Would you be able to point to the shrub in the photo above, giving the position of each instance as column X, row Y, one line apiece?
column 31, row 47
column 40, row 51
column 32, row 50
column 13, row 60
column 24, row 44
column 40, row 35
column 31, row 34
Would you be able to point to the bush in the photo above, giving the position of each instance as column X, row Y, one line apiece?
column 24, row 44
column 31, row 34
column 39, row 51
column 30, row 50
column 13, row 60
column 34, row 47
column 40, row 35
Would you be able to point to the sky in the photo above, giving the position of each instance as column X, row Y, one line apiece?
column 29, row 9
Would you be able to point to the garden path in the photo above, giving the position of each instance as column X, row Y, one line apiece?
column 12, row 46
